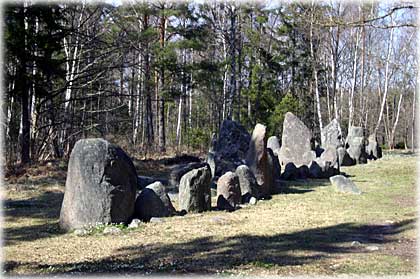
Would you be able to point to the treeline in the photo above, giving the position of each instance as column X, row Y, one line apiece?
column 162, row 76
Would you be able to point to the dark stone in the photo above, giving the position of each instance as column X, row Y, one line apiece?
column 247, row 181
column 178, row 171
column 303, row 172
column 290, row 172
column 332, row 136
column 212, row 163
column 315, row 170
column 194, row 190
column 257, row 159
column 181, row 159
column 233, row 142
column 228, row 189
column 100, row 187
column 275, row 168
column 296, row 142
column 344, row 184
column 153, row 202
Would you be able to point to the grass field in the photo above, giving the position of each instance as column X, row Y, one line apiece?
column 308, row 229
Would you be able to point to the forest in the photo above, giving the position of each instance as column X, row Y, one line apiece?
column 160, row 77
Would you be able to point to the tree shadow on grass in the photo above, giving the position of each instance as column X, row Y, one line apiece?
column 206, row 255
column 45, row 207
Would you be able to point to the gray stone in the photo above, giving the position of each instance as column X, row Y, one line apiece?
column 332, row 136
column 135, row 223
column 354, row 132
column 296, row 142
column 253, row 201
column 247, row 181
column 330, row 155
column 344, row 184
column 372, row 248
column 178, row 171
column 373, row 150
column 212, row 163
column 153, row 202
column 194, row 190
column 228, row 191
column 100, row 187
column 357, row 150
column 143, row 181
column 257, row 160
column 112, row 230
column 80, row 232
column 157, row 220
column 273, row 143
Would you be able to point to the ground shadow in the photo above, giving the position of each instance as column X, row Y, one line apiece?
column 206, row 255
column 45, row 206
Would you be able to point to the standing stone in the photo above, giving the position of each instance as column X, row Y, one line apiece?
column 330, row 155
column 354, row 132
column 344, row 158
column 296, row 142
column 194, row 190
column 247, row 182
column 100, row 187
column 153, row 202
column 257, row 159
column 273, row 143
column 332, row 136
column 344, row 184
column 373, row 150
column 228, row 191
column 232, row 144
column 274, row 166
column 357, row 150
column 212, row 163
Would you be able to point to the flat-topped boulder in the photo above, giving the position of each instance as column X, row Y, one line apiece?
column 344, row 184
column 296, row 142
column 100, row 187
column 331, row 135
column 177, row 171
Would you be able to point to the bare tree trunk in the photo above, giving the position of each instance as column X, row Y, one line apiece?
column 353, row 82
column 386, row 80
column 394, row 127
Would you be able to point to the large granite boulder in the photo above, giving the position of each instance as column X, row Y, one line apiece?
column 344, row 184
column 373, row 150
column 228, row 191
column 355, row 143
column 357, row 150
column 296, row 142
column 247, row 182
column 331, row 135
column 354, row 132
column 100, row 187
column 177, row 171
column 153, row 201
column 257, row 159
column 194, row 190
column 273, row 143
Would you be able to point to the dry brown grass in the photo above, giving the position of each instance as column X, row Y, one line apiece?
column 309, row 229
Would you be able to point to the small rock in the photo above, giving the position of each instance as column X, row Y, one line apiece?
column 156, row 220
column 356, row 243
column 134, row 224
column 253, row 201
column 111, row 230
column 80, row 232
column 372, row 248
